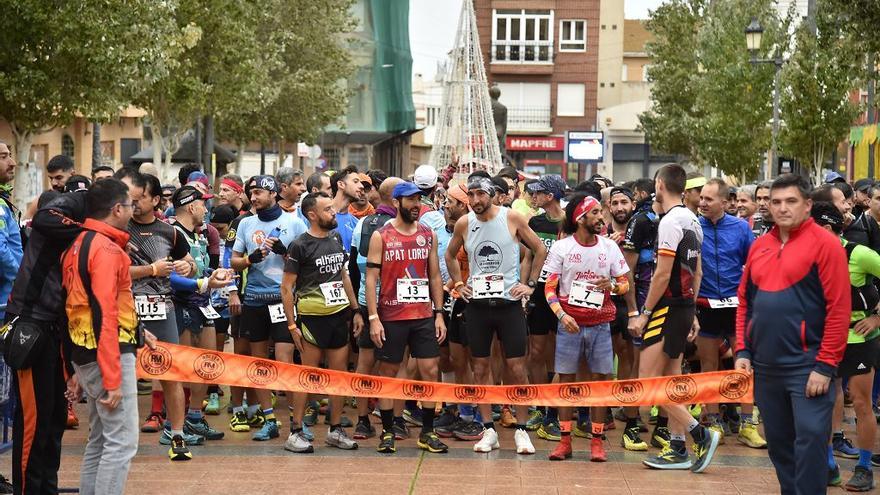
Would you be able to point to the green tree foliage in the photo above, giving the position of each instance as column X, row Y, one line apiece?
column 709, row 102
column 63, row 59
column 308, row 90
column 818, row 78
column 671, row 121
column 858, row 19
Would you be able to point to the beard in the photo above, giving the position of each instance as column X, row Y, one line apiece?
column 408, row 216
column 621, row 217
column 328, row 224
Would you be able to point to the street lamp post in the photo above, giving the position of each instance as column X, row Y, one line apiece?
column 754, row 33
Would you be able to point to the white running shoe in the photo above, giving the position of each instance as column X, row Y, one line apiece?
column 339, row 439
column 489, row 442
column 298, row 443
column 523, row 442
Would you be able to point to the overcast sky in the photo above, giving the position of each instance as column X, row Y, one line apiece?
column 433, row 23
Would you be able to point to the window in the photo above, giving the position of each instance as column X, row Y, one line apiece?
column 570, row 100
column 623, row 74
column 107, row 148
column 331, row 155
column 572, row 36
column 522, row 36
column 357, row 156
column 432, row 114
column 528, row 106
column 67, row 148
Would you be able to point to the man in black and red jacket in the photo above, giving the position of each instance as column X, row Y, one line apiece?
column 792, row 324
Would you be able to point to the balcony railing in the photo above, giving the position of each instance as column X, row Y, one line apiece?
column 528, row 119
column 522, row 52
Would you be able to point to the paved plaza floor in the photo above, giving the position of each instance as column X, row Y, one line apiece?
column 238, row 465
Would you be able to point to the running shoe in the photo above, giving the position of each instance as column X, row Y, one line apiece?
column 843, row 447
column 862, row 480
column 582, row 430
column 72, row 420
column 536, row 419
column 336, row 437
column 705, row 450
column 597, row 450
column 308, row 433
column 267, row 432
column 469, row 431
column 298, row 444
column 507, row 420
column 496, row 412
column 167, row 439
column 445, row 421
column 550, row 432
column 669, row 459
column 749, row 436
column 431, row 442
column 632, row 440
column 696, row 411
column 213, row 406
column 257, row 420
column 413, row 417
column 488, row 442
column 400, row 430
column 875, row 460
column 661, row 437
column 523, row 442
column 239, row 422
column 561, row 452
column 202, row 428
column 152, row 424
column 716, row 426
column 386, row 444
column 364, row 430
column 179, row 451
column 311, row 415
column 834, row 478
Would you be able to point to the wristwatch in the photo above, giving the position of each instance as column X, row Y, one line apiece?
column 647, row 312
column 531, row 284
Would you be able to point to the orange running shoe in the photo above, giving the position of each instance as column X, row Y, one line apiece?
column 562, row 451
column 597, row 450
column 72, row 420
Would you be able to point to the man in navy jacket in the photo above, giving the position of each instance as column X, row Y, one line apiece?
column 792, row 323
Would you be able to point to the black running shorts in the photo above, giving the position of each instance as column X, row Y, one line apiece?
column 419, row 335
column 717, row 323
column 456, row 331
column 256, row 324
column 326, row 331
column 504, row 318
column 860, row 359
column 670, row 325
column 541, row 319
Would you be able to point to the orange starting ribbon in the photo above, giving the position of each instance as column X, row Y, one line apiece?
column 187, row 364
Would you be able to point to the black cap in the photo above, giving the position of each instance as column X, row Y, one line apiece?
column 77, row 183
column 500, row 184
column 862, row 185
column 223, row 214
column 185, row 195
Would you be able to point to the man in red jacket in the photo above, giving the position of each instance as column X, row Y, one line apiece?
column 791, row 324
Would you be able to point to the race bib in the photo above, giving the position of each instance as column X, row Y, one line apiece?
column 585, row 295
column 276, row 313
column 150, row 308
column 223, row 292
column 412, row 290
column 334, row 293
column 488, row 285
column 209, row 312
column 727, row 302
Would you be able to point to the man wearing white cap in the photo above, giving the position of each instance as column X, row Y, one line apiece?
column 425, row 177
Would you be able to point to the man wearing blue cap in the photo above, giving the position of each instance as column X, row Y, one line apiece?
column 260, row 245
column 405, row 306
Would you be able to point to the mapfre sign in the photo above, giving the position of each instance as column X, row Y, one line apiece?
column 537, row 143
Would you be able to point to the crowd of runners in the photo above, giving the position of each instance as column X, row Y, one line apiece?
column 443, row 276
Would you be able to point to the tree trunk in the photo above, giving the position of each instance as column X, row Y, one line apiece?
column 208, row 149
column 158, row 145
column 282, row 153
column 23, row 190
column 96, row 145
column 239, row 157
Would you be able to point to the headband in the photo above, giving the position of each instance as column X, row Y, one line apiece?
column 585, row 207
column 232, row 185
